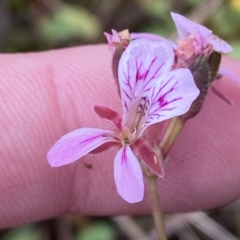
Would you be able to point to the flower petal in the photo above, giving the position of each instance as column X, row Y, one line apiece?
column 108, row 114
column 172, row 96
column 151, row 36
column 104, row 147
column 76, row 144
column 185, row 27
column 112, row 39
column 218, row 44
column 128, row 176
column 141, row 64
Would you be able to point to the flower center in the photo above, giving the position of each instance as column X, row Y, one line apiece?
column 127, row 135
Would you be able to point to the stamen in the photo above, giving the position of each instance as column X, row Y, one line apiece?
column 155, row 159
column 141, row 113
column 135, row 131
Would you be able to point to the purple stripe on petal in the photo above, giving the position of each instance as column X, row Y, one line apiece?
column 141, row 64
column 130, row 98
column 162, row 90
column 172, row 96
column 76, row 144
column 128, row 175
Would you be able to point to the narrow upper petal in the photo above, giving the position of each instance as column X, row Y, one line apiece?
column 141, row 64
column 185, row 26
column 112, row 39
column 108, row 114
column 76, row 144
column 128, row 176
column 172, row 96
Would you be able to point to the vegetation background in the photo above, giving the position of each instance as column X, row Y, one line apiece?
column 36, row 25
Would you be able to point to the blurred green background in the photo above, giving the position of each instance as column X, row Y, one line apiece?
column 36, row 25
column 32, row 25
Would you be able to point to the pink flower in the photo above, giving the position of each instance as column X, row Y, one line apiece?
column 118, row 39
column 200, row 35
column 151, row 36
column 150, row 93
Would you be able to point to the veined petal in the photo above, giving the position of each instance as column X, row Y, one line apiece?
column 185, row 27
column 128, row 176
column 172, row 96
column 76, row 144
column 141, row 64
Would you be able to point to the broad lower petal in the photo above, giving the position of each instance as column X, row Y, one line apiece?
column 76, row 144
column 128, row 176
column 141, row 64
column 172, row 96
column 185, row 27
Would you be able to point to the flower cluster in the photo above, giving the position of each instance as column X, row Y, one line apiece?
column 152, row 90
column 194, row 39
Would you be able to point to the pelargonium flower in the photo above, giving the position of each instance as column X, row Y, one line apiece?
column 150, row 93
column 196, row 39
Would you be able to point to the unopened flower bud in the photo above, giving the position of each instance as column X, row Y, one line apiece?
column 118, row 42
column 204, row 71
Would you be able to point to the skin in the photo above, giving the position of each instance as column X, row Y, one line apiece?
column 45, row 95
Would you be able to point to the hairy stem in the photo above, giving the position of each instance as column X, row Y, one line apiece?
column 155, row 202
